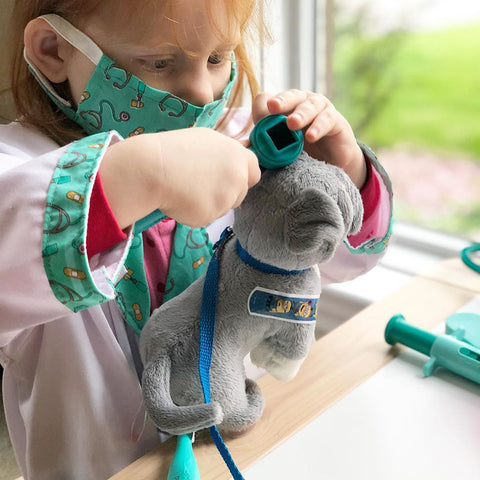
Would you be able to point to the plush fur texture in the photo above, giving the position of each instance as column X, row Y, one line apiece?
column 293, row 219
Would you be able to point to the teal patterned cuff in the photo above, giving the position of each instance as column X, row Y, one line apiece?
column 375, row 245
column 65, row 226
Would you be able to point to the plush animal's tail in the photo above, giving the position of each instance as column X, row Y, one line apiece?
column 167, row 416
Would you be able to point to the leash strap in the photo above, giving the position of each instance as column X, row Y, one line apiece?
column 207, row 333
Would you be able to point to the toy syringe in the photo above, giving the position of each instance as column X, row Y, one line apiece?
column 447, row 351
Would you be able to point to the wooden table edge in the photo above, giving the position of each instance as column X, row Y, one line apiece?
column 336, row 364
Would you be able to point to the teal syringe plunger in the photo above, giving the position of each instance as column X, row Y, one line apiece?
column 448, row 351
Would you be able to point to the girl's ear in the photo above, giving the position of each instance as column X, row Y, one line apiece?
column 46, row 50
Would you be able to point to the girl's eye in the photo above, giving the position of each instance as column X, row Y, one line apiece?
column 161, row 63
column 153, row 64
column 215, row 59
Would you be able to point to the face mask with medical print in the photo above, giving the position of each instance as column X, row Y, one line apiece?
column 114, row 99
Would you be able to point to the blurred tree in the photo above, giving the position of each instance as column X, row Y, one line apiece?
column 363, row 72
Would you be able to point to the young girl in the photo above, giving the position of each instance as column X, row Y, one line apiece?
column 105, row 94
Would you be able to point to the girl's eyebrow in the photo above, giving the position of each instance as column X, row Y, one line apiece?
column 169, row 49
column 231, row 44
column 227, row 46
column 166, row 47
column 150, row 50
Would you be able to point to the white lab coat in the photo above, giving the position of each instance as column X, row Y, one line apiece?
column 72, row 399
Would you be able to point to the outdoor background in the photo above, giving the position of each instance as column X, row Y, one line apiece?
column 407, row 76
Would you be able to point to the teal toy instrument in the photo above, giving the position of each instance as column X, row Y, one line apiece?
column 467, row 256
column 184, row 466
column 456, row 350
column 274, row 144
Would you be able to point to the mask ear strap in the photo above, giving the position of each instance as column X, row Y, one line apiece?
column 75, row 38
column 45, row 82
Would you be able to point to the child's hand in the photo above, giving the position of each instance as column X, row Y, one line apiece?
column 193, row 175
column 207, row 174
column 328, row 135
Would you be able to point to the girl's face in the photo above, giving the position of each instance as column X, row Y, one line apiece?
column 185, row 57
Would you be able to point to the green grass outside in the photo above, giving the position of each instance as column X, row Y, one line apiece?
column 434, row 102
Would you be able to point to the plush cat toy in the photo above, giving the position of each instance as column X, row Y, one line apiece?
column 268, row 289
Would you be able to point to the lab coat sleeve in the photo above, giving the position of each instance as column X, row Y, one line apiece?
column 44, row 270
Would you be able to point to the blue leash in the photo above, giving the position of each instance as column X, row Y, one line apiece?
column 207, row 333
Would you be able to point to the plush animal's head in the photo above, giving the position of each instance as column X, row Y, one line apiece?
column 296, row 216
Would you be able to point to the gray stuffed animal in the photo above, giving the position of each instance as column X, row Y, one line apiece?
column 293, row 219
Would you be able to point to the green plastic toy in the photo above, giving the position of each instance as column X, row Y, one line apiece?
column 184, row 466
column 274, row 144
column 452, row 351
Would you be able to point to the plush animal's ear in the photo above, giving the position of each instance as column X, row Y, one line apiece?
column 314, row 222
column 350, row 203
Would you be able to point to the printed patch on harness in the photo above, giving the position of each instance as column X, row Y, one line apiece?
column 282, row 306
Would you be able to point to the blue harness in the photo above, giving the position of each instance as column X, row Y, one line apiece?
column 207, row 328
column 207, row 333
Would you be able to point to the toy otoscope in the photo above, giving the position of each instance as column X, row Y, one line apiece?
column 452, row 351
column 275, row 146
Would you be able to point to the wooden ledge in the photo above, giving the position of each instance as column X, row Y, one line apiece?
column 336, row 364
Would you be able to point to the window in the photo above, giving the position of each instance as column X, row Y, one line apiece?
column 406, row 76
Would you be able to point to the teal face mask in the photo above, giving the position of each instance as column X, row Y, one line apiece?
column 114, row 99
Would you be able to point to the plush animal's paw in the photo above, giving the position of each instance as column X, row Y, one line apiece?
column 279, row 366
column 245, row 414
column 168, row 416
column 349, row 202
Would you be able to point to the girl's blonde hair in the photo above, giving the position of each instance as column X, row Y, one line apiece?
column 33, row 106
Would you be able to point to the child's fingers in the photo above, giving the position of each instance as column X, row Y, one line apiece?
column 259, row 107
column 285, row 102
column 254, row 175
column 307, row 111
column 321, row 126
column 254, row 172
column 327, row 123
